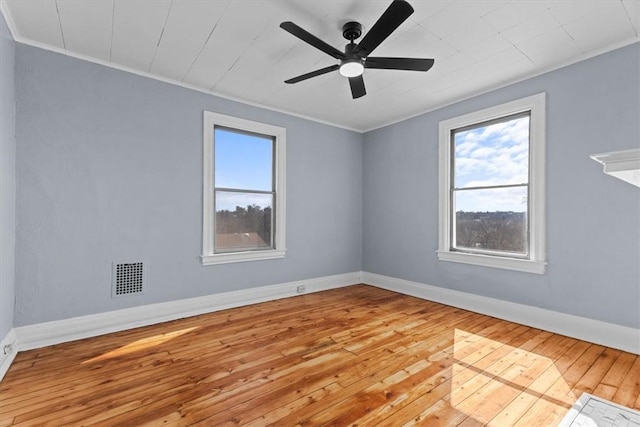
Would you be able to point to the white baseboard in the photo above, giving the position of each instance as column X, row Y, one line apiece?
column 59, row 331
column 8, row 351
column 49, row 333
column 595, row 331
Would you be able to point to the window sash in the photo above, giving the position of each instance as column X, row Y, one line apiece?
column 272, row 226
column 250, row 134
column 525, row 254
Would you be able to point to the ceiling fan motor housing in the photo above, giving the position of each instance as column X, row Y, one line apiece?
column 352, row 65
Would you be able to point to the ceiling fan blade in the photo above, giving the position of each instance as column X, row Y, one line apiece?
column 314, row 41
column 396, row 14
column 315, row 73
column 412, row 64
column 357, row 87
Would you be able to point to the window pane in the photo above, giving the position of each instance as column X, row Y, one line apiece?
column 243, row 160
column 243, row 221
column 496, row 153
column 493, row 219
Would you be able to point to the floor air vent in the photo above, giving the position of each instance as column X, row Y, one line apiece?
column 128, row 278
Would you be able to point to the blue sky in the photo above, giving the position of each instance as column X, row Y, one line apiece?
column 496, row 154
column 242, row 162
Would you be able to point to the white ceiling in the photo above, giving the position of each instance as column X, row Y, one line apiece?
column 235, row 48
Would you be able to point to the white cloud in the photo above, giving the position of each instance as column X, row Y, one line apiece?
column 493, row 155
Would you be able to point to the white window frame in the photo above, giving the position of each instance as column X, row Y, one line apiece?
column 209, row 257
column 536, row 262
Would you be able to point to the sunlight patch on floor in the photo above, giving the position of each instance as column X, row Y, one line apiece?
column 492, row 380
column 140, row 344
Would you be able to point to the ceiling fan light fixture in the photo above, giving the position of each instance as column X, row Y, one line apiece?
column 357, row 57
column 352, row 68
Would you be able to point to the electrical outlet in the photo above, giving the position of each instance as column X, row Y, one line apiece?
column 301, row 289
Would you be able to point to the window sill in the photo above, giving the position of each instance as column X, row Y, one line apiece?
column 524, row 265
column 242, row 256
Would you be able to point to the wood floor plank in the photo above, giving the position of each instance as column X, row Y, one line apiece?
column 363, row 379
column 226, row 368
column 550, row 407
column 469, row 347
column 350, row 356
column 629, row 388
column 594, row 376
column 554, row 351
column 367, row 370
column 379, row 355
column 619, row 369
column 410, row 387
column 462, row 374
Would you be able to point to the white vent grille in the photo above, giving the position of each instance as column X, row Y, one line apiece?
column 128, row 278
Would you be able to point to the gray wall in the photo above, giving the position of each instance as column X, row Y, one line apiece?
column 593, row 220
column 7, row 180
column 109, row 167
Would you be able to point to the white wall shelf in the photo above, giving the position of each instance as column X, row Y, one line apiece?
column 624, row 165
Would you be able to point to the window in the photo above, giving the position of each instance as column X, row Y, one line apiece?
column 491, row 169
column 243, row 190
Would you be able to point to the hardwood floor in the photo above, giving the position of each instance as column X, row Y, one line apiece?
column 352, row 356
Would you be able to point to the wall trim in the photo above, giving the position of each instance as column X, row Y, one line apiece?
column 59, row 331
column 7, row 359
column 595, row 331
column 30, row 337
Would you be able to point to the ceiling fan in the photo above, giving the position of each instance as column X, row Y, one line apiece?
column 356, row 56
